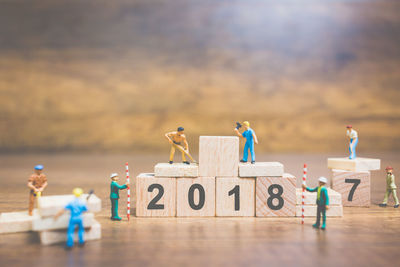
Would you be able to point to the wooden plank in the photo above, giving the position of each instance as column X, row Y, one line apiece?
column 355, row 187
column 235, row 196
column 196, row 196
column 259, row 169
column 50, row 205
column 155, row 197
column 355, row 165
column 48, row 223
column 176, row 170
column 276, row 196
column 15, row 222
column 218, row 156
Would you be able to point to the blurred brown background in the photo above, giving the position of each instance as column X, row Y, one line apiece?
column 110, row 76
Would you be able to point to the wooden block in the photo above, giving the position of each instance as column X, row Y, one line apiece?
column 195, row 196
column 260, row 169
column 311, row 211
column 176, row 170
column 235, row 196
column 276, row 196
column 59, row 236
column 218, row 156
column 48, row 223
column 335, row 198
column 355, row 165
column 15, row 222
column 50, row 205
column 355, row 187
column 155, row 197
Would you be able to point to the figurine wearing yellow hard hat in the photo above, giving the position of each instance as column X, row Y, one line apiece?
column 251, row 138
column 76, row 208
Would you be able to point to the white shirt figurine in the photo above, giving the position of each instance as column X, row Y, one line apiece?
column 352, row 134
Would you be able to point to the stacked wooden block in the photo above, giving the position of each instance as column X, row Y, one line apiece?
column 52, row 231
column 352, row 179
column 310, row 206
column 218, row 186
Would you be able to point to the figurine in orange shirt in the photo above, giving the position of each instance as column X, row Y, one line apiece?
column 37, row 183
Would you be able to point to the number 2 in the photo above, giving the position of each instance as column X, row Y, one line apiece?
column 153, row 203
column 355, row 183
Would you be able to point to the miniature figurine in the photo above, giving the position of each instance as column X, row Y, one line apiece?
column 322, row 201
column 390, row 188
column 37, row 182
column 352, row 134
column 114, row 196
column 176, row 139
column 251, row 138
column 76, row 208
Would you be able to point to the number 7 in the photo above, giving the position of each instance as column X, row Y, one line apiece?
column 356, row 182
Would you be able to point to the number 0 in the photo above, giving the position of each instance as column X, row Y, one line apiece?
column 202, row 196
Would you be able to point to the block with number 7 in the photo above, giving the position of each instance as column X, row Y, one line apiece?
column 276, row 196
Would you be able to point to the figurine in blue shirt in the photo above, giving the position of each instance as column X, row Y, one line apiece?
column 76, row 208
column 251, row 138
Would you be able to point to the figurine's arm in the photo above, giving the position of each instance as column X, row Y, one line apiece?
column 312, row 189
column 325, row 198
column 185, row 143
column 121, row 186
column 31, row 186
column 255, row 138
column 43, row 187
column 238, row 133
column 168, row 136
column 58, row 214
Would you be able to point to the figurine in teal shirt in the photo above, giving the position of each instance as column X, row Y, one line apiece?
column 114, row 196
column 322, row 201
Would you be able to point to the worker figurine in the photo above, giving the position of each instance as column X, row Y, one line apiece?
column 390, row 188
column 176, row 139
column 76, row 208
column 322, row 201
column 352, row 134
column 37, row 182
column 251, row 138
column 114, row 196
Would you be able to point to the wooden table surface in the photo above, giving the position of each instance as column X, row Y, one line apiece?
column 363, row 237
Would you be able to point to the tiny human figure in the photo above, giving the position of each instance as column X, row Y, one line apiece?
column 76, row 208
column 390, row 188
column 322, row 201
column 37, row 182
column 114, row 196
column 176, row 139
column 352, row 134
column 251, row 138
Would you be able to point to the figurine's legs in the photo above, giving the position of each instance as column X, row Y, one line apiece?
column 183, row 156
column 387, row 194
column 116, row 209
column 112, row 208
column 352, row 148
column 253, row 155
column 323, row 209
column 70, row 234
column 246, row 152
column 81, row 232
column 317, row 223
column 31, row 201
column 394, row 194
column 171, row 153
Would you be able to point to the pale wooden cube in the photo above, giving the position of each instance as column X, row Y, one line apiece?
column 355, row 165
column 261, row 169
column 311, row 211
column 59, row 236
column 15, row 222
column 335, row 198
column 355, row 187
column 155, row 197
column 176, row 170
column 218, row 156
column 235, row 196
column 276, row 196
column 48, row 223
column 50, row 205
column 195, row 197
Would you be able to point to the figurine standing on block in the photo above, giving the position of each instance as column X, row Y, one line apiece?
column 37, row 183
column 76, row 208
column 352, row 134
column 251, row 138
column 114, row 196
column 390, row 188
column 322, row 201
column 176, row 139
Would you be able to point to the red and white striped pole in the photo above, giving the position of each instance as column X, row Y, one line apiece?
column 128, row 204
column 302, row 195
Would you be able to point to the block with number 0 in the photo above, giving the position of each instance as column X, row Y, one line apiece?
column 195, row 196
column 276, row 196
column 156, row 197
column 355, row 187
column 235, row 196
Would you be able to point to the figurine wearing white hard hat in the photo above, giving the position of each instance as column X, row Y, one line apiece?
column 114, row 196
column 322, row 201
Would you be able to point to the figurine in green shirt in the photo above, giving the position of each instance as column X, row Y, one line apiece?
column 390, row 188
column 322, row 201
column 114, row 196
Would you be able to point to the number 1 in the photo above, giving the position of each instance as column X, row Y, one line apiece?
column 236, row 191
